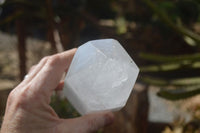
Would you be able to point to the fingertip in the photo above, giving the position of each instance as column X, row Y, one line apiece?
column 60, row 86
column 68, row 53
column 73, row 51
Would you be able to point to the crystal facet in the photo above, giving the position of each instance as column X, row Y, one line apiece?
column 101, row 77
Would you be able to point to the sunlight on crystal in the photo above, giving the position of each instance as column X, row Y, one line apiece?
column 101, row 77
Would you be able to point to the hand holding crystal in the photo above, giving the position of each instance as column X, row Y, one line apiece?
column 28, row 109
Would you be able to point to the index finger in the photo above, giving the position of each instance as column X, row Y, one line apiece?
column 50, row 75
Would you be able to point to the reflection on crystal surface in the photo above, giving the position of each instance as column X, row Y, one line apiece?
column 101, row 77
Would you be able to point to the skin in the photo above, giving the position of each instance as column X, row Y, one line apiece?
column 28, row 109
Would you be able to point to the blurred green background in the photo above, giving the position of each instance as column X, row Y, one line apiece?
column 162, row 37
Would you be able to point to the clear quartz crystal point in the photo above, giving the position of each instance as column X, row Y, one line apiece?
column 101, row 77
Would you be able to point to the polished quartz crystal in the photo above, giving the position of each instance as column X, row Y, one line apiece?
column 101, row 77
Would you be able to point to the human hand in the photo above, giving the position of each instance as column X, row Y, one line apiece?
column 28, row 109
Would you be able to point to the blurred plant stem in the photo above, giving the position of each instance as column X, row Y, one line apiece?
column 170, row 59
column 179, row 93
column 183, row 87
column 21, row 45
column 51, row 25
column 179, row 28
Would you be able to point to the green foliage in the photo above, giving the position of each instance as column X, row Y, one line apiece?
column 180, row 82
column 188, row 10
column 63, row 108
column 170, row 59
column 31, row 11
column 179, row 93
column 170, row 8
column 176, row 26
column 178, row 15
column 184, row 86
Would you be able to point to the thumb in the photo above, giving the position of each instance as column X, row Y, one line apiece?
column 88, row 123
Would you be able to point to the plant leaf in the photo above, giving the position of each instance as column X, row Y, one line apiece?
column 169, row 59
column 175, row 82
column 170, row 67
column 180, row 93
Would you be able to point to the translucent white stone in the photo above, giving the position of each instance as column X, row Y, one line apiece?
column 101, row 77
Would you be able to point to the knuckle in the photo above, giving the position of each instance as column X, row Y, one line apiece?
column 11, row 97
column 22, row 100
column 53, row 60
column 32, row 68
column 44, row 59
column 18, row 98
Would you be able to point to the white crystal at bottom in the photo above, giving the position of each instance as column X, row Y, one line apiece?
column 101, row 77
